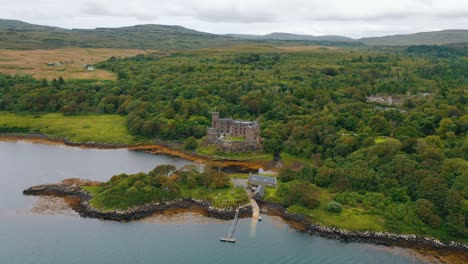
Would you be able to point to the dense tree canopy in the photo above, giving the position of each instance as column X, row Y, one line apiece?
column 390, row 122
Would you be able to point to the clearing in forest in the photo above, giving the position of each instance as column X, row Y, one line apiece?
column 67, row 62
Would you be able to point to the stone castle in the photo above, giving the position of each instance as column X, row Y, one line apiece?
column 227, row 127
column 222, row 131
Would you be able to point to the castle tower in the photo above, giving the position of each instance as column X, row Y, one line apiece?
column 215, row 120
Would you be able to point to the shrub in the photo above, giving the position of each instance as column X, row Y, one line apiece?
column 334, row 207
column 191, row 144
column 300, row 192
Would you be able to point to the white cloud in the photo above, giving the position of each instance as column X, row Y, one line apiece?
column 355, row 18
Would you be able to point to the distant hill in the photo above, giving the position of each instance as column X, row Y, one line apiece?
column 16, row 34
column 6, row 24
column 288, row 36
column 423, row 38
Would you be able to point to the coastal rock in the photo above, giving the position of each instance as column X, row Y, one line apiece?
column 380, row 238
column 85, row 209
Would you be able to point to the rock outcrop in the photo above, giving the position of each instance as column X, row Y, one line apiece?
column 85, row 209
column 380, row 238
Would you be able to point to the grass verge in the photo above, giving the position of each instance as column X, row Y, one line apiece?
column 83, row 128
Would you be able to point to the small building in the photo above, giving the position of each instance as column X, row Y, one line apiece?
column 259, row 193
column 257, row 180
column 90, row 68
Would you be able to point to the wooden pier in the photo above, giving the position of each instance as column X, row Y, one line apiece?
column 230, row 238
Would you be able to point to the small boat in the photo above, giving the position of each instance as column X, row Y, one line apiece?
column 259, row 218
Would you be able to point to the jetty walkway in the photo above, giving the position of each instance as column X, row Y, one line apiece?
column 230, row 235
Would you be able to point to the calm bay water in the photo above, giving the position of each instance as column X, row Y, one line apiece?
column 29, row 237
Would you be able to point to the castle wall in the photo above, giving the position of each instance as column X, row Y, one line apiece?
column 224, row 126
column 215, row 120
column 248, row 130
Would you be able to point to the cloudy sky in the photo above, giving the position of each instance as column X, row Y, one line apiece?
column 352, row 18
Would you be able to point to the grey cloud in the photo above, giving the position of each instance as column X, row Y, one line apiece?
column 233, row 14
column 99, row 9
column 355, row 18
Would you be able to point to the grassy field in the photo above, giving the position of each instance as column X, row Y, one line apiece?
column 380, row 140
column 34, row 62
column 351, row 218
column 220, row 198
column 88, row 128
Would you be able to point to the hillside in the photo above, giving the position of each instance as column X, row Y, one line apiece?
column 422, row 38
column 288, row 36
column 16, row 34
column 20, row 35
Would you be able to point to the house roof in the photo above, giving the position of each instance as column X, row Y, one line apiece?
column 259, row 191
column 262, row 179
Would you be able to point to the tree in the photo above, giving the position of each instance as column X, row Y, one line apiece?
column 324, row 175
column 446, row 126
column 165, row 170
column 400, row 194
column 434, row 190
column 302, row 193
column 287, row 175
column 456, row 224
column 191, row 144
column 55, row 83
column 44, row 83
column 70, row 109
column 380, row 125
column 426, row 211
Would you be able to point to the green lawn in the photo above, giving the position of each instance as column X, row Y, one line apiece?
column 356, row 219
column 221, row 198
column 380, row 140
column 83, row 128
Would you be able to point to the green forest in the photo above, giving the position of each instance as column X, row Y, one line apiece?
column 384, row 129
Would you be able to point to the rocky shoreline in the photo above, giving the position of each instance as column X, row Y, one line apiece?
column 85, row 209
column 379, row 238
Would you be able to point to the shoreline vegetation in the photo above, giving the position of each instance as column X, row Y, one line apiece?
column 80, row 199
column 427, row 246
column 320, row 214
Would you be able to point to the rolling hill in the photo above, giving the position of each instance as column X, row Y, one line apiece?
column 15, row 34
column 422, row 38
column 20, row 35
column 288, row 36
